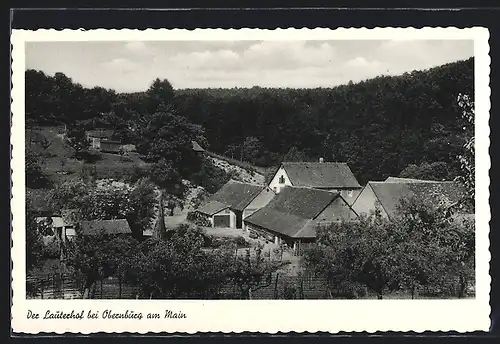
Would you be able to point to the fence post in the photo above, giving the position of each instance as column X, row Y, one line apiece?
column 301, row 286
column 120, row 286
column 48, row 282
column 276, row 286
column 63, row 288
column 41, row 288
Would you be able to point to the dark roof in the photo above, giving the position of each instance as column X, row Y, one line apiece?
column 391, row 194
column 212, row 207
column 237, row 195
column 292, row 211
column 95, row 227
column 100, row 133
column 320, row 174
column 197, row 147
column 113, row 142
column 303, row 202
column 408, row 180
column 276, row 221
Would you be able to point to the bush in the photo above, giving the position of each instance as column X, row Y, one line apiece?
column 289, row 292
column 210, row 177
column 217, row 242
column 53, row 248
column 124, row 158
column 199, row 199
column 89, row 156
column 241, row 242
column 198, row 219
column 136, row 173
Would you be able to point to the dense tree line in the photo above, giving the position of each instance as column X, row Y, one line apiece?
column 379, row 126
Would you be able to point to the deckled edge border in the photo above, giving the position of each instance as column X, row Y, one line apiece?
column 13, row 151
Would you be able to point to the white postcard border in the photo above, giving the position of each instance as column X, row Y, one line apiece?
column 266, row 316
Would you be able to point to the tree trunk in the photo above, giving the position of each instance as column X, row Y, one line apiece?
column 379, row 296
column 412, row 292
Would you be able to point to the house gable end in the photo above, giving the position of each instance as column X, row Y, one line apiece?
column 280, row 179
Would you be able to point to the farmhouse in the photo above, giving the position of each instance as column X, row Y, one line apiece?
column 294, row 214
column 106, row 227
column 233, row 202
column 385, row 197
column 329, row 176
column 96, row 136
column 101, row 139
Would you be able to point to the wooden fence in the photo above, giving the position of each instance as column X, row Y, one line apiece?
column 278, row 286
column 72, row 286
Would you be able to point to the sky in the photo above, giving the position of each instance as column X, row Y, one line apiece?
column 132, row 66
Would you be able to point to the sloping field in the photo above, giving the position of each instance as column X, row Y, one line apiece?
column 58, row 164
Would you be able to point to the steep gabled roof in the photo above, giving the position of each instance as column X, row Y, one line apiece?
column 390, row 194
column 277, row 221
column 303, row 202
column 408, row 180
column 292, row 211
column 320, row 174
column 96, row 227
column 236, row 195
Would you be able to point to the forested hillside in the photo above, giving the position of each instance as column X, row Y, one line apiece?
column 379, row 126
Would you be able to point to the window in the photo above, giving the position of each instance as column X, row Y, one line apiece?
column 282, row 180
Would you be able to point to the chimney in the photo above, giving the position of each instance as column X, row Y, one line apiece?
column 320, row 159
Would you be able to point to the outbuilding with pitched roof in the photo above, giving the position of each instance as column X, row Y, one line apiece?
column 293, row 216
column 386, row 196
column 233, row 202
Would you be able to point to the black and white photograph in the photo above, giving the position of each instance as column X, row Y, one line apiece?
column 252, row 169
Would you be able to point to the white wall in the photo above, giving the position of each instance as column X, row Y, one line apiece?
column 275, row 185
column 262, row 199
column 232, row 217
column 70, row 233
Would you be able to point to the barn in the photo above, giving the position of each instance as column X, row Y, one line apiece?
column 233, row 202
column 293, row 216
column 385, row 196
